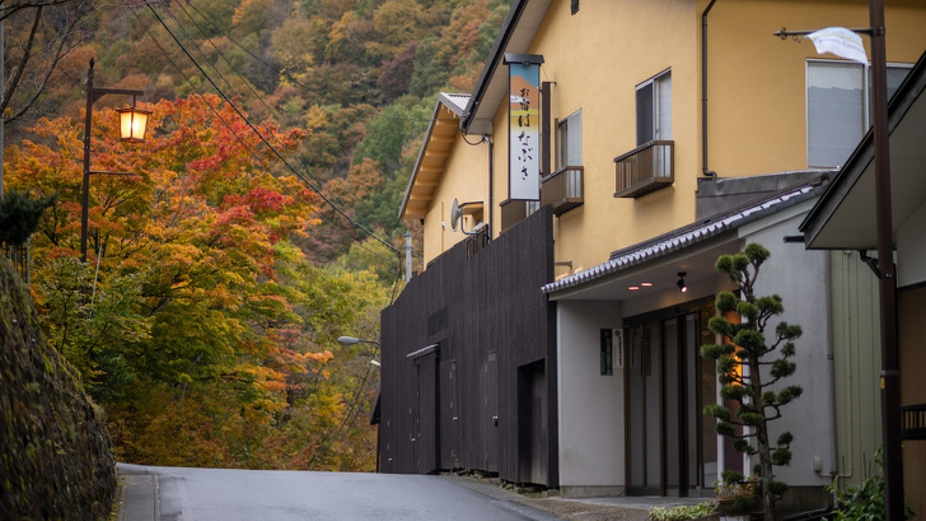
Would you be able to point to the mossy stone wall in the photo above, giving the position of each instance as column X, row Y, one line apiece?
column 55, row 453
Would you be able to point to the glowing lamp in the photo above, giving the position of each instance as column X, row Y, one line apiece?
column 132, row 123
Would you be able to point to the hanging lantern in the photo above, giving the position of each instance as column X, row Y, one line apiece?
column 133, row 121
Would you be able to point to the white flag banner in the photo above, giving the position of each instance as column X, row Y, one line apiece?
column 839, row 41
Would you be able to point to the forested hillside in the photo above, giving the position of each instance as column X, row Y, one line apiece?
column 360, row 75
column 258, row 222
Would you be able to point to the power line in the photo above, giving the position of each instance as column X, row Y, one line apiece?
column 221, row 54
column 227, row 125
column 264, row 140
column 279, row 72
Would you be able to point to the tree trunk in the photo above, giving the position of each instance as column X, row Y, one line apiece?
column 764, row 450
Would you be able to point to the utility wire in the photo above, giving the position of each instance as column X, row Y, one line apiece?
column 227, row 125
column 222, row 55
column 270, row 110
column 296, row 82
column 257, row 95
column 263, row 139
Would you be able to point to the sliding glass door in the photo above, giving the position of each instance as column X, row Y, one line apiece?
column 672, row 448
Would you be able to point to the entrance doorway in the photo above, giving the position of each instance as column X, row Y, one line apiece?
column 532, row 421
column 672, row 446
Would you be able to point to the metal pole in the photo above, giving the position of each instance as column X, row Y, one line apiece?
column 890, row 376
column 2, row 93
column 85, row 188
column 408, row 256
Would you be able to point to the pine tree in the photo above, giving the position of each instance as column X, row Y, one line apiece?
column 747, row 374
column 19, row 216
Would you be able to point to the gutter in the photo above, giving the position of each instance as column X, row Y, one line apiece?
column 495, row 56
column 704, row 169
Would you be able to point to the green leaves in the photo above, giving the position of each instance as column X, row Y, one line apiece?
column 714, row 351
column 756, row 253
column 19, row 216
column 726, row 302
column 789, row 393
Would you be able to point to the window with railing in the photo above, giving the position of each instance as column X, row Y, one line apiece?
column 515, row 211
column 564, row 189
column 645, row 169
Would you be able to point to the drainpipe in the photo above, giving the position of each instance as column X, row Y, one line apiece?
column 707, row 172
column 408, row 264
column 488, row 140
column 831, row 366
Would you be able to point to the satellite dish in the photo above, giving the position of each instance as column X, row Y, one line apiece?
column 455, row 213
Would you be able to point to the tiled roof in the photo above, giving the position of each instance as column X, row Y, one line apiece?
column 688, row 236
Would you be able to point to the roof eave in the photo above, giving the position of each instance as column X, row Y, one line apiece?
column 686, row 237
column 443, row 100
column 476, row 120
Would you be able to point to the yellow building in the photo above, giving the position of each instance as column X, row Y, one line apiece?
column 751, row 94
column 670, row 131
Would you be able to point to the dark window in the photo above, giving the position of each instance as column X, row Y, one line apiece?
column 654, row 109
column 645, row 127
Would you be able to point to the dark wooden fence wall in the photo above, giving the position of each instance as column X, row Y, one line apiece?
column 469, row 367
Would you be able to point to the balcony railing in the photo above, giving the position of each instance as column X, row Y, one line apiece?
column 514, row 212
column 645, row 169
column 476, row 244
column 564, row 189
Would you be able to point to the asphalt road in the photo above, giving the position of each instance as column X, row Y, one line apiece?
column 194, row 494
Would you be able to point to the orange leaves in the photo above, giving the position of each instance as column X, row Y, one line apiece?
column 219, row 351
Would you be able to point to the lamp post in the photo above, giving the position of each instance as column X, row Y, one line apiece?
column 348, row 341
column 887, row 284
column 894, row 508
column 133, row 122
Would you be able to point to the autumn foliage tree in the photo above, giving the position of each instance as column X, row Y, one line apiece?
column 197, row 322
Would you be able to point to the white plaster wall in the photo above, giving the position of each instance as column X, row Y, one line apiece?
column 802, row 280
column 591, row 406
column 911, row 248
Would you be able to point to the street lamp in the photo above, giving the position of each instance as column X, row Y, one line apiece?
column 348, row 341
column 133, row 122
column 887, row 286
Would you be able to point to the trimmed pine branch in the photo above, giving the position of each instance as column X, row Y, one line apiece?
column 741, row 357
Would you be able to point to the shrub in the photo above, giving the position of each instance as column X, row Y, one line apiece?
column 682, row 512
column 864, row 502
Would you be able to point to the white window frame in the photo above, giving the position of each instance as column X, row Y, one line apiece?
column 866, row 100
column 660, row 107
column 569, row 141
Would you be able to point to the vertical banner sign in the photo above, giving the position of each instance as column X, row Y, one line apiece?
column 607, row 353
column 524, row 127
